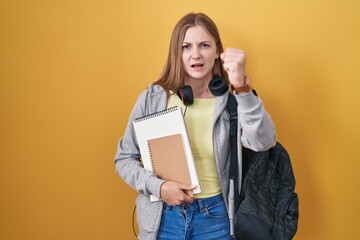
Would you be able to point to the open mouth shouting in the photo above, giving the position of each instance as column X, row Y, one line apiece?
column 197, row 66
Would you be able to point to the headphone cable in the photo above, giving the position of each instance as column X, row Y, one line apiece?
column 185, row 110
column 133, row 221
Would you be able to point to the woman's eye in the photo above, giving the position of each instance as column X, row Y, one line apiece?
column 186, row 46
column 205, row 45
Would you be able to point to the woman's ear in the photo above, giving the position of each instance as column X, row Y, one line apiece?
column 217, row 52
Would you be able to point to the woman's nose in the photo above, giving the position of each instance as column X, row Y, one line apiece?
column 195, row 53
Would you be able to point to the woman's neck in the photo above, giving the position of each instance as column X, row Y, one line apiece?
column 200, row 88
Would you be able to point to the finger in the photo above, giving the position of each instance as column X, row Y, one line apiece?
column 235, row 58
column 231, row 51
column 236, row 62
column 233, row 54
column 222, row 56
column 229, row 55
column 230, row 66
column 186, row 187
column 188, row 199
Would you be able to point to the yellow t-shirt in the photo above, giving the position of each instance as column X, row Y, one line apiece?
column 199, row 124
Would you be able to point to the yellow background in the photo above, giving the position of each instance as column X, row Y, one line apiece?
column 70, row 72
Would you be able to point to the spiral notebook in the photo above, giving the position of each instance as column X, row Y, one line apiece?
column 154, row 132
column 168, row 159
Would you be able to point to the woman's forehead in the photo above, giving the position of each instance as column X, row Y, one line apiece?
column 197, row 34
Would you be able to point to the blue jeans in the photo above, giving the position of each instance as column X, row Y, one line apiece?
column 204, row 219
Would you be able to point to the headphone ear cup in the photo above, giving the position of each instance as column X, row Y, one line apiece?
column 187, row 95
column 218, row 86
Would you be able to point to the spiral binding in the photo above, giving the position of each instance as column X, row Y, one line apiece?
column 151, row 158
column 157, row 114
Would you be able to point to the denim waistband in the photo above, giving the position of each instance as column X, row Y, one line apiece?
column 198, row 203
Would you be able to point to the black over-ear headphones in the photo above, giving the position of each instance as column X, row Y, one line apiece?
column 218, row 86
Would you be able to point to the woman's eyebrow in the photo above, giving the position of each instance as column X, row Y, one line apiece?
column 199, row 42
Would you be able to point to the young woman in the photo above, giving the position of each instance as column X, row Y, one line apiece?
column 196, row 56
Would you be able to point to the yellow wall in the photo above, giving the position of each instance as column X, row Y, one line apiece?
column 71, row 70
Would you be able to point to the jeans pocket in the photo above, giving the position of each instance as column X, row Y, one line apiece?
column 216, row 211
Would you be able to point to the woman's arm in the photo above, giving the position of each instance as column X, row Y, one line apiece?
column 258, row 130
column 127, row 158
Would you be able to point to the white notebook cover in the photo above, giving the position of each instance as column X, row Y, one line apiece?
column 161, row 124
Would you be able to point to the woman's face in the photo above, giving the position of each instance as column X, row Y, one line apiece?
column 198, row 54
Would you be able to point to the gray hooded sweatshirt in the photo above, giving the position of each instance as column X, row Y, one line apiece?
column 255, row 131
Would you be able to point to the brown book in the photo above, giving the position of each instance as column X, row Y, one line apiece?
column 169, row 160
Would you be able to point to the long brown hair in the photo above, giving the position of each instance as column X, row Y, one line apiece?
column 172, row 77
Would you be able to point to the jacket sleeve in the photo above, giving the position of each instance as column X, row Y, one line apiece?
column 127, row 157
column 258, row 130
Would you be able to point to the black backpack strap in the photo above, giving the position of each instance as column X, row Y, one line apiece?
column 234, row 192
column 233, row 196
column 231, row 108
